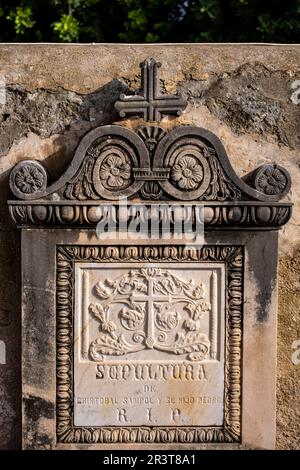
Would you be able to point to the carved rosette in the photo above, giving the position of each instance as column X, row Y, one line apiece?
column 114, row 170
column 272, row 180
column 187, row 172
column 28, row 178
column 232, row 256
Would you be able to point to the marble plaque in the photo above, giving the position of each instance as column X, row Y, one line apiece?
column 149, row 344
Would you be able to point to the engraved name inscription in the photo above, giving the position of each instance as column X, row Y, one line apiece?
column 148, row 400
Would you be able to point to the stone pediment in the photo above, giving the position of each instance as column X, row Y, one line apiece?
column 149, row 164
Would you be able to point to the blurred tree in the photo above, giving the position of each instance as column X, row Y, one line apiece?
column 150, row 20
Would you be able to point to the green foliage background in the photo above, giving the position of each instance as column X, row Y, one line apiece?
column 150, row 21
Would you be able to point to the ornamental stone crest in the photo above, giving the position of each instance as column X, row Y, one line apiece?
column 148, row 164
column 154, row 309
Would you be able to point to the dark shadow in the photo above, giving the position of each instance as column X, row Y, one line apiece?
column 10, row 324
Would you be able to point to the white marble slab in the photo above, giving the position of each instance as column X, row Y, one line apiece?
column 149, row 344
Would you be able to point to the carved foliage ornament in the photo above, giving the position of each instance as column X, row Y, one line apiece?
column 149, row 300
column 132, row 319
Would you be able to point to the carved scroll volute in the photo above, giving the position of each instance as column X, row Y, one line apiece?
column 190, row 173
column 200, row 169
column 102, row 167
column 199, row 166
column 110, row 155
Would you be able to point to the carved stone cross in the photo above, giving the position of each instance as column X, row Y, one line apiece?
column 150, row 298
column 149, row 102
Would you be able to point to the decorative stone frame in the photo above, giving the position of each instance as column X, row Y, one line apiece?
column 233, row 258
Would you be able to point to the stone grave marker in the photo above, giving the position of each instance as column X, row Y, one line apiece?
column 136, row 334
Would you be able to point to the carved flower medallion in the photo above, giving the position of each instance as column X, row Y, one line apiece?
column 115, row 172
column 272, row 181
column 187, row 172
column 29, row 179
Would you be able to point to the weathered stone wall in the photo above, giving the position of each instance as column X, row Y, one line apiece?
column 247, row 95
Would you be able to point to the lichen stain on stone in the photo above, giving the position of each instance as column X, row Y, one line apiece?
column 263, row 272
column 46, row 112
column 252, row 99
